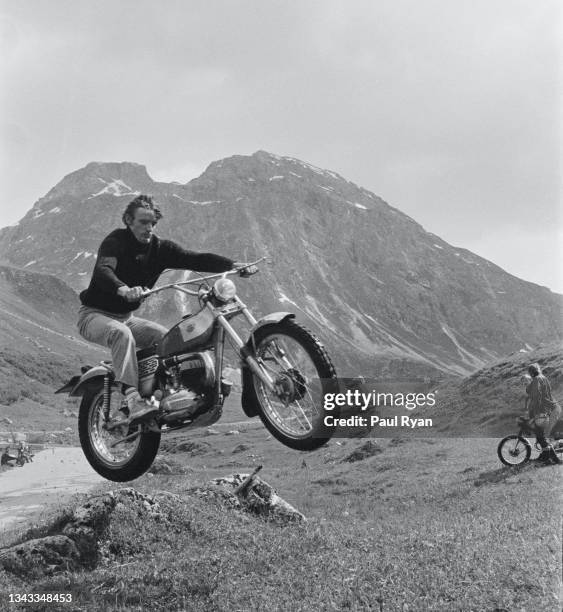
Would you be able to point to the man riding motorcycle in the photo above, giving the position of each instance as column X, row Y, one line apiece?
column 129, row 261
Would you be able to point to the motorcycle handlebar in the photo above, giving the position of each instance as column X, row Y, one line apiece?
column 198, row 281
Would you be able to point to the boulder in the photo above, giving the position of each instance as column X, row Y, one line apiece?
column 41, row 556
column 78, row 543
column 259, row 498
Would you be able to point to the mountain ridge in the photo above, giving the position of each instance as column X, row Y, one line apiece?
column 382, row 292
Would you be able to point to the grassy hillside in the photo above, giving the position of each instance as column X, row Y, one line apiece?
column 488, row 401
column 414, row 525
column 39, row 348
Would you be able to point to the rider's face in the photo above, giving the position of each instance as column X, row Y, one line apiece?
column 143, row 224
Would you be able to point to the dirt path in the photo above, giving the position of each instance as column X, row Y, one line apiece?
column 54, row 475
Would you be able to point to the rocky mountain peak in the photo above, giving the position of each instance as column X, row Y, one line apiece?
column 98, row 178
column 372, row 282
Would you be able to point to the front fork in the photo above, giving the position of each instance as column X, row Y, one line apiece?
column 244, row 351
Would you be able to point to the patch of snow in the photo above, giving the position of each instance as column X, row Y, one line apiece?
column 283, row 298
column 360, row 206
column 38, row 213
column 438, row 247
column 528, row 346
column 204, row 203
column 315, row 314
column 275, row 178
column 251, row 180
column 77, row 256
column 239, row 199
column 297, row 175
column 326, row 188
column 466, row 356
column 175, row 195
column 457, row 255
column 501, row 291
column 82, row 273
column 55, row 210
column 28, row 237
column 14, row 224
column 311, row 167
column 115, row 188
column 30, row 263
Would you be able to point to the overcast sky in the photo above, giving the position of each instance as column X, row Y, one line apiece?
column 450, row 110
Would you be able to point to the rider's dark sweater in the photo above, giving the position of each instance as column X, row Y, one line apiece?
column 124, row 261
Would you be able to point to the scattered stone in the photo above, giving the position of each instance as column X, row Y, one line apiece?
column 187, row 446
column 162, row 465
column 233, row 432
column 397, row 441
column 368, row 449
column 259, row 498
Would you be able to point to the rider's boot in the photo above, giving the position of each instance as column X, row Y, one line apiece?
column 138, row 408
column 544, row 456
column 553, row 456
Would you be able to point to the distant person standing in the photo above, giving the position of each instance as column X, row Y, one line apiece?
column 544, row 411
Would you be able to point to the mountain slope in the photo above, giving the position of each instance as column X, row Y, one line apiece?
column 39, row 346
column 387, row 297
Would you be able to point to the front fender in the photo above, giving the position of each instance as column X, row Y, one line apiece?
column 78, row 384
column 273, row 317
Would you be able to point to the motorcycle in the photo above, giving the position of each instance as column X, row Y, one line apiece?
column 6, row 458
column 285, row 373
column 516, row 449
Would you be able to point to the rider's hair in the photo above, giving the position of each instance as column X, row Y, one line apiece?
column 141, row 201
column 534, row 369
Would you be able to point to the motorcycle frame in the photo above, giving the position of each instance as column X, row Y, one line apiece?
column 222, row 314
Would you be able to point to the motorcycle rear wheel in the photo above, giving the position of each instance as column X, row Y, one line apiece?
column 301, row 367
column 514, row 450
column 123, row 462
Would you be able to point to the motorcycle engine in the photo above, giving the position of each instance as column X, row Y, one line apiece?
column 190, row 375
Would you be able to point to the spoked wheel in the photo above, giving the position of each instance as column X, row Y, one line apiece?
column 120, row 463
column 514, row 450
column 302, row 373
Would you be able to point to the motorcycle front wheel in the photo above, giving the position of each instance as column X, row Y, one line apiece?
column 514, row 450
column 121, row 463
column 302, row 373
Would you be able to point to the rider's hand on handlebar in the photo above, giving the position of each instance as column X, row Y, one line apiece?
column 131, row 294
column 246, row 270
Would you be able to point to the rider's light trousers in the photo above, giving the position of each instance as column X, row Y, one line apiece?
column 124, row 334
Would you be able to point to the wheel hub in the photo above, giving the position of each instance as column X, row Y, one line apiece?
column 291, row 385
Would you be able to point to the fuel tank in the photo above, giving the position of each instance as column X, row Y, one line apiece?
column 191, row 333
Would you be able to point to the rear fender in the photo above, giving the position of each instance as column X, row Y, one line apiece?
column 94, row 377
